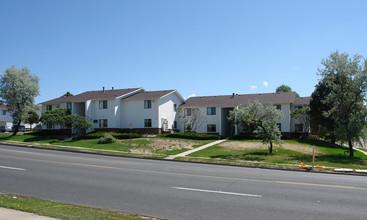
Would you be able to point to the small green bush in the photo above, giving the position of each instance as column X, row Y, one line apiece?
column 117, row 135
column 107, row 139
column 193, row 136
column 94, row 135
column 126, row 135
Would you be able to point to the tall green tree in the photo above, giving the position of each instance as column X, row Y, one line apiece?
column 32, row 118
column 18, row 89
column 284, row 88
column 321, row 125
column 67, row 94
column 55, row 117
column 78, row 122
column 346, row 78
column 263, row 118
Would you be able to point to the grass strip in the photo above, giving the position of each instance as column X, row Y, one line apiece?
column 61, row 210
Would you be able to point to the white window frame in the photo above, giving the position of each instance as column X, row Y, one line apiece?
column 147, row 104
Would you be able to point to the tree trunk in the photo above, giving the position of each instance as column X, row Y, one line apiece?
column 271, row 147
column 333, row 138
column 16, row 128
column 351, row 152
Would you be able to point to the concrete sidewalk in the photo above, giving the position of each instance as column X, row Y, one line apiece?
column 183, row 154
column 6, row 214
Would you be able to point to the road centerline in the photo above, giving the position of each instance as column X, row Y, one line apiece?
column 188, row 175
column 12, row 168
column 218, row 192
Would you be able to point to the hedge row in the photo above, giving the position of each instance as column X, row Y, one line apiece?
column 245, row 136
column 52, row 133
column 117, row 135
column 193, row 136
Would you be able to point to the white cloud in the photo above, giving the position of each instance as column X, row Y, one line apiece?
column 253, row 88
column 192, row 95
column 265, row 84
column 295, row 68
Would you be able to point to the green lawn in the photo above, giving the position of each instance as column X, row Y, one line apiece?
column 26, row 138
column 156, row 147
column 120, row 145
column 61, row 210
column 327, row 154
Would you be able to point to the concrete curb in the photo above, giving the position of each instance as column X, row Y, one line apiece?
column 6, row 214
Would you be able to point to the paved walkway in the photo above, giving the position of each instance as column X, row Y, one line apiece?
column 183, row 154
column 6, row 214
column 364, row 152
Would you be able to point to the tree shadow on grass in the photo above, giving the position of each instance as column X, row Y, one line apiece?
column 255, row 155
column 319, row 143
column 40, row 138
column 334, row 159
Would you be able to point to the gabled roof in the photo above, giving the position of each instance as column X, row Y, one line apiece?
column 92, row 95
column 302, row 101
column 235, row 100
column 152, row 95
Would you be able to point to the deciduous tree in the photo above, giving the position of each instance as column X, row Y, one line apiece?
column 32, row 118
column 303, row 116
column 18, row 89
column 346, row 78
column 284, row 88
column 263, row 118
column 192, row 119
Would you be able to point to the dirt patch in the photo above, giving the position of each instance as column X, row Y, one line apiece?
column 241, row 145
column 162, row 144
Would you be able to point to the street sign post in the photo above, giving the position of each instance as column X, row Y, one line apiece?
column 131, row 127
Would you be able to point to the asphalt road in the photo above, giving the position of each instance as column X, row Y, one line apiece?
column 175, row 190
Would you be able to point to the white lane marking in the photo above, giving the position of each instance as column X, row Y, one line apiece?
column 12, row 168
column 220, row 192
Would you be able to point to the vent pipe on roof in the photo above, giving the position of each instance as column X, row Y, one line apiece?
column 232, row 95
column 112, row 87
column 103, row 89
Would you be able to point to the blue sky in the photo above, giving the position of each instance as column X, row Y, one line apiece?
column 197, row 47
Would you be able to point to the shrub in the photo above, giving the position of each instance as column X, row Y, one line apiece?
column 106, row 139
column 52, row 133
column 193, row 136
column 245, row 136
column 94, row 135
column 126, row 135
column 117, row 135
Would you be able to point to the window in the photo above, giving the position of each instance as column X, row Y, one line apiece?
column 175, row 124
column 4, row 112
column 49, row 125
column 279, row 126
column 297, row 107
column 103, row 104
column 211, row 111
column 211, row 128
column 49, row 107
column 188, row 112
column 95, row 121
column 298, row 128
column 279, row 107
column 147, row 103
column 103, row 123
column 148, row 123
column 174, row 107
column 68, row 106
